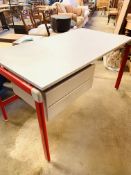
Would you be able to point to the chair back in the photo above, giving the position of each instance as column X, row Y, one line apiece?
column 27, row 19
column 36, row 16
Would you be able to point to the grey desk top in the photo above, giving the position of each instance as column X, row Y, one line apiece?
column 46, row 61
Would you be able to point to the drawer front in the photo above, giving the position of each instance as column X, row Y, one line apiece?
column 59, row 91
column 56, row 108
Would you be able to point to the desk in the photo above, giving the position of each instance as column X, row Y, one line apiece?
column 51, row 72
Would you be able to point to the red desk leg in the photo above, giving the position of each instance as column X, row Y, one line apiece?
column 43, row 130
column 123, row 63
column 39, row 107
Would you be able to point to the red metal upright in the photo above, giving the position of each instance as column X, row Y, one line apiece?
column 43, row 130
column 123, row 63
column 39, row 107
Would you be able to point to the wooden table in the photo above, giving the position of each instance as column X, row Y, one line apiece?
column 50, row 73
column 5, row 44
column 10, row 38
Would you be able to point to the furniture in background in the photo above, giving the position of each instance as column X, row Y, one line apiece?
column 11, row 12
column 30, row 23
column 92, row 7
column 113, row 3
column 60, row 23
column 103, row 10
column 4, row 103
column 113, row 12
column 47, row 11
column 128, row 25
column 5, row 44
column 102, row 5
column 60, row 83
column 78, row 14
column 10, row 38
column 35, row 3
column 4, row 24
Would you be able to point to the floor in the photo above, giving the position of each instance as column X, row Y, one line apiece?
column 99, row 22
column 91, row 137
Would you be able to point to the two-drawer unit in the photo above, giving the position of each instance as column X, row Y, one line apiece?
column 59, row 96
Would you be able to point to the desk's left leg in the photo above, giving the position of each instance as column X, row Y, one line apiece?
column 123, row 63
column 43, row 130
column 38, row 98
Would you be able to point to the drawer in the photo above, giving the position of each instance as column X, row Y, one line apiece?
column 56, row 108
column 68, row 85
column 61, row 95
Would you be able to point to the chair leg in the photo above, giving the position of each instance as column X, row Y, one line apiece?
column 3, row 111
column 109, row 16
column 6, row 102
column 126, row 32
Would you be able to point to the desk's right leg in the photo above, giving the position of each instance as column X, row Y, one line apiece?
column 42, row 126
column 123, row 63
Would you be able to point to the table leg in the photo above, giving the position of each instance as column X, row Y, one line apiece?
column 38, row 104
column 42, row 126
column 123, row 63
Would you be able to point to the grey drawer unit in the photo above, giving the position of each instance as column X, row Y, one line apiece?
column 59, row 96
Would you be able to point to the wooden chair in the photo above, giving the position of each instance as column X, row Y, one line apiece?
column 46, row 12
column 27, row 19
column 32, row 20
column 113, row 12
column 128, row 25
column 102, row 6
column 4, row 103
column 8, row 98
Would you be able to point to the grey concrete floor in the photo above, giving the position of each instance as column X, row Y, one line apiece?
column 91, row 137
